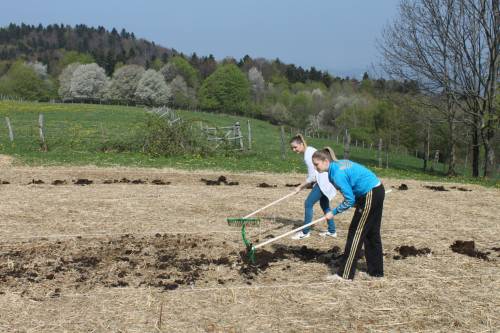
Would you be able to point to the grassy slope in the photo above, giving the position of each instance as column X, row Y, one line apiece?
column 75, row 133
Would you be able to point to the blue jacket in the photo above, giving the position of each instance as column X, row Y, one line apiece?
column 353, row 180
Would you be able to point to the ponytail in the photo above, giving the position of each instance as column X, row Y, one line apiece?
column 299, row 139
column 325, row 154
column 331, row 153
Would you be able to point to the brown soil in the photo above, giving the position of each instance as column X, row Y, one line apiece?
column 160, row 182
column 160, row 261
column 36, row 182
column 83, row 181
column 439, row 188
column 463, row 189
column 266, row 185
column 410, row 251
column 468, row 248
column 403, row 187
column 221, row 180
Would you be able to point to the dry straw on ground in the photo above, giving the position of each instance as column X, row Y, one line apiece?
column 140, row 237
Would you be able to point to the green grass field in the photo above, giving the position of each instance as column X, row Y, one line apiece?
column 77, row 133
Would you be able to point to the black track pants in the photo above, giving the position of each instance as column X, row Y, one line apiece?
column 365, row 229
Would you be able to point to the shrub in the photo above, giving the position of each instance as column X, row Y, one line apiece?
column 163, row 138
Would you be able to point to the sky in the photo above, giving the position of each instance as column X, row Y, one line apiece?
column 335, row 35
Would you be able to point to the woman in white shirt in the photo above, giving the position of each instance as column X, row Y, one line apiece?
column 322, row 191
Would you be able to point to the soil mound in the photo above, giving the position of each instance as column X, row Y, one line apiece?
column 468, row 248
column 439, row 188
column 83, row 181
column 221, row 180
column 410, row 251
column 403, row 187
column 266, row 185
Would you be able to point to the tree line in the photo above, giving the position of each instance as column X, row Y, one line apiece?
column 403, row 111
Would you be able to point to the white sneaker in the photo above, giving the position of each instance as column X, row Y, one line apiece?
column 300, row 235
column 336, row 277
column 328, row 234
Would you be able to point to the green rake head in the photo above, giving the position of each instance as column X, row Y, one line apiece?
column 248, row 245
column 237, row 222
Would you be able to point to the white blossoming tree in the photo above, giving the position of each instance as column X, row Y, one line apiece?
column 39, row 68
column 88, row 81
column 124, row 83
column 65, row 79
column 152, row 88
column 257, row 83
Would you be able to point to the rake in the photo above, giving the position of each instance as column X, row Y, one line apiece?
column 251, row 248
column 248, row 220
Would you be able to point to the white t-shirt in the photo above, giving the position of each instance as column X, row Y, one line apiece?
column 324, row 184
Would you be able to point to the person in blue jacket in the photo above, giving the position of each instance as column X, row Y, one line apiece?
column 361, row 188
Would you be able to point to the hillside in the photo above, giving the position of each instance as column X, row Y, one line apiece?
column 49, row 44
column 77, row 133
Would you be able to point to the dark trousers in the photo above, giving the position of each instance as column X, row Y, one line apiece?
column 365, row 229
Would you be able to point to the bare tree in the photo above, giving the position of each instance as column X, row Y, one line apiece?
column 475, row 43
column 451, row 48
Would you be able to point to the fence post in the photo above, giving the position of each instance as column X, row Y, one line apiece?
column 9, row 126
column 103, row 133
column 380, row 152
column 435, row 161
column 43, row 144
column 282, row 142
column 237, row 133
column 347, row 145
column 249, row 135
column 387, row 157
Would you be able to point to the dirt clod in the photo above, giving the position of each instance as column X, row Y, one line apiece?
column 463, row 189
column 266, row 185
column 403, row 187
column 210, row 182
column 221, row 180
column 159, row 182
column 36, row 182
column 468, row 248
column 411, row 251
column 59, row 182
column 439, row 188
column 83, row 181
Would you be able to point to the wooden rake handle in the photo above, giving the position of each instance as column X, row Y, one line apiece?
column 271, row 204
column 295, row 230
column 289, row 233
